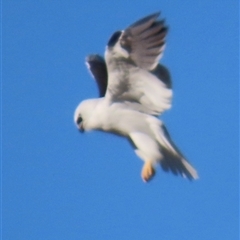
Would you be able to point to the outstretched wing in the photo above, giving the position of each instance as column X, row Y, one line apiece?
column 145, row 41
column 97, row 66
column 134, row 75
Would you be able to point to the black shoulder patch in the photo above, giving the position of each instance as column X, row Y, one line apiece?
column 114, row 38
column 98, row 68
column 162, row 73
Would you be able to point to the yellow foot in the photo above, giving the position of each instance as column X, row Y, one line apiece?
column 147, row 171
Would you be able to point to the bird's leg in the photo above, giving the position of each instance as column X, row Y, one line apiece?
column 148, row 171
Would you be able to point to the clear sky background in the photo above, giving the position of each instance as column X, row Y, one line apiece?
column 59, row 184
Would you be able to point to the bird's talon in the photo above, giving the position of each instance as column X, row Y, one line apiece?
column 148, row 171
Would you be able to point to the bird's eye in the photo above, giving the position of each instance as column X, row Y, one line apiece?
column 79, row 120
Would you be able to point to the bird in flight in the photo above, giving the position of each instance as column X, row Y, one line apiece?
column 134, row 89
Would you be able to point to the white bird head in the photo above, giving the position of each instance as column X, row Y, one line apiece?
column 83, row 114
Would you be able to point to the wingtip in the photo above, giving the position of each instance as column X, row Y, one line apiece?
column 154, row 15
column 146, row 20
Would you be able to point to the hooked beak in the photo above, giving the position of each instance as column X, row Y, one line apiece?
column 80, row 127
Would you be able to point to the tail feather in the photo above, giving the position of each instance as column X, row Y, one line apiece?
column 177, row 165
column 173, row 160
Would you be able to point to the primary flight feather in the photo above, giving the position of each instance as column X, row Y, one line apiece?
column 134, row 90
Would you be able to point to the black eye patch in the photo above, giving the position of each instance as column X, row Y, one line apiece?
column 79, row 120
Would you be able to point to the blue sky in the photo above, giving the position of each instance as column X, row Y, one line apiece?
column 59, row 184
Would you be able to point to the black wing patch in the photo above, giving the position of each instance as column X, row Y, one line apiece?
column 98, row 68
column 162, row 73
column 114, row 38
